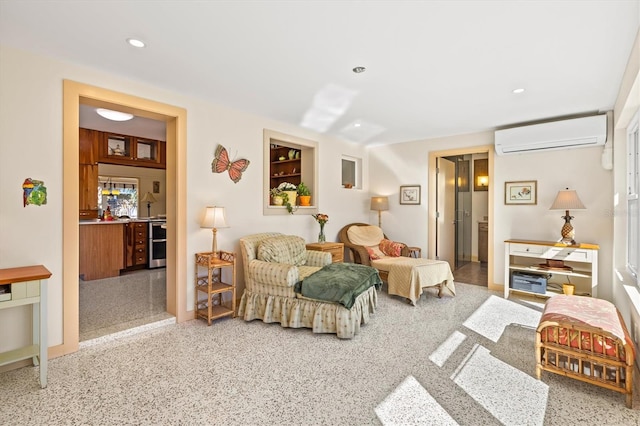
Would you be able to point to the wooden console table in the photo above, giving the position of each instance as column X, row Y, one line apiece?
column 28, row 287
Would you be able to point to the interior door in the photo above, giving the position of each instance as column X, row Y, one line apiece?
column 446, row 211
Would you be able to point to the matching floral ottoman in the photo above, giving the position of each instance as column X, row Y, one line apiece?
column 586, row 339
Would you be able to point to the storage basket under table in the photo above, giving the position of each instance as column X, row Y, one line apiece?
column 586, row 339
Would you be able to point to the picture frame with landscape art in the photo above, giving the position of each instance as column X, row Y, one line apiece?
column 521, row 192
column 410, row 194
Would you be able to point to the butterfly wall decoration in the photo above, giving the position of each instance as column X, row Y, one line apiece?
column 221, row 163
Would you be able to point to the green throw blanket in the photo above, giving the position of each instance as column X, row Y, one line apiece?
column 339, row 282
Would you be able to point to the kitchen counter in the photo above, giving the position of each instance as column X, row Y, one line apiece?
column 110, row 222
column 116, row 221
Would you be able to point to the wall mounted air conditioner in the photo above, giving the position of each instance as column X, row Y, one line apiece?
column 564, row 134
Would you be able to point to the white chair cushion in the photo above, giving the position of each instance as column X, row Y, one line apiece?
column 367, row 236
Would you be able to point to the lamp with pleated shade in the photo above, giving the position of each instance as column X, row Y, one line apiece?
column 567, row 200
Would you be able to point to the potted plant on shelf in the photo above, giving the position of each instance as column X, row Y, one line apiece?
column 304, row 194
column 277, row 198
column 289, row 193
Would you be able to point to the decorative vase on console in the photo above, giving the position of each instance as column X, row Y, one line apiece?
column 321, row 237
column 321, row 218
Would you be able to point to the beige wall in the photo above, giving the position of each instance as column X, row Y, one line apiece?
column 31, row 146
column 625, row 293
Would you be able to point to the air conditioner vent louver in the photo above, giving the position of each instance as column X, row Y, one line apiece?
column 564, row 134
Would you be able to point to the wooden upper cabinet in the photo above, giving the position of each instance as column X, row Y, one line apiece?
column 89, row 142
column 130, row 151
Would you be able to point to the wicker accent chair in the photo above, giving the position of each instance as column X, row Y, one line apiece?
column 358, row 253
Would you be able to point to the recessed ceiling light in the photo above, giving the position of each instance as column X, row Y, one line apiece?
column 135, row 42
column 358, row 70
column 114, row 115
column 518, row 91
column 356, row 124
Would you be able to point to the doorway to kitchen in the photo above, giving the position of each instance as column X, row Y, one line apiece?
column 76, row 94
column 127, row 176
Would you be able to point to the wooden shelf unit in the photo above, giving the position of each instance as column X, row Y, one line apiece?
column 288, row 170
column 213, row 287
column 527, row 256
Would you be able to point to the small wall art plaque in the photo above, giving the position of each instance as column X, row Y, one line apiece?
column 33, row 192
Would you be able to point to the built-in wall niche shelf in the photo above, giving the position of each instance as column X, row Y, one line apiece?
column 289, row 159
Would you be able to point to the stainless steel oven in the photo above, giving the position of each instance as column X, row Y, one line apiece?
column 157, row 247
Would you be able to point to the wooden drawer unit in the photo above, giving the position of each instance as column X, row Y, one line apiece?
column 336, row 250
column 136, row 236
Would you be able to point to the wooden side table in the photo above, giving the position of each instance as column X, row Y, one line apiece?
column 212, row 285
column 27, row 286
column 336, row 250
column 415, row 252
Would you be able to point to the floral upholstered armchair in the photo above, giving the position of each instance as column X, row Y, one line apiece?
column 273, row 264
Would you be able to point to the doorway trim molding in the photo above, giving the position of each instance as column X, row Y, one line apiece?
column 74, row 94
column 433, row 156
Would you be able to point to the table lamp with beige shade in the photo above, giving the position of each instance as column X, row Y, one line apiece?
column 214, row 218
column 567, row 200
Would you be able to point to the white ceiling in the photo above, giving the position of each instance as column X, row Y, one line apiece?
column 434, row 68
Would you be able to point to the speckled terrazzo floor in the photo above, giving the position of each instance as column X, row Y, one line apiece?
column 466, row 360
column 112, row 305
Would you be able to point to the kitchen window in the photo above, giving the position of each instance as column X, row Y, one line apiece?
column 120, row 194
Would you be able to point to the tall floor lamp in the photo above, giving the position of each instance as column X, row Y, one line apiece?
column 567, row 200
column 148, row 198
column 380, row 204
column 214, row 218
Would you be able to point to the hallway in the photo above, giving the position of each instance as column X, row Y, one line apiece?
column 472, row 273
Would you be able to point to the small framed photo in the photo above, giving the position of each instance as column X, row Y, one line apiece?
column 521, row 192
column 410, row 194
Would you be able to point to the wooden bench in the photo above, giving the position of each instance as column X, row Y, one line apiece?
column 586, row 339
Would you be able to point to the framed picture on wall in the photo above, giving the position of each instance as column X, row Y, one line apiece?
column 410, row 194
column 521, row 192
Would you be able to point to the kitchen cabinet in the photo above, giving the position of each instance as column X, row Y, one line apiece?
column 88, row 142
column 131, row 151
column 102, row 250
column 88, row 173
column 136, row 244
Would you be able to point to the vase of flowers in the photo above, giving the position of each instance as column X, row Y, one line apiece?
column 321, row 218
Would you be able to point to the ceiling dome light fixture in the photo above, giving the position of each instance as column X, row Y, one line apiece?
column 358, row 70
column 114, row 115
column 516, row 91
column 136, row 43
